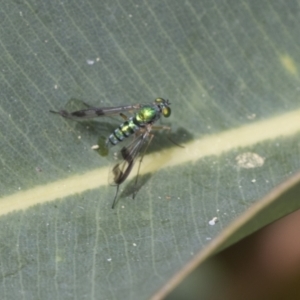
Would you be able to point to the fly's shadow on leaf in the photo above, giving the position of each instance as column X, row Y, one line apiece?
column 133, row 188
column 163, row 140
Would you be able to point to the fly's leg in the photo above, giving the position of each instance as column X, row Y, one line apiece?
column 168, row 129
column 140, row 163
column 121, row 171
column 124, row 116
column 116, row 195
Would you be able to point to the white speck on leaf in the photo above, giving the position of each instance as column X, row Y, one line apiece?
column 251, row 117
column 213, row 221
column 90, row 62
column 249, row 160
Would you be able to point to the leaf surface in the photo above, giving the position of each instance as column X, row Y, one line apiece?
column 230, row 71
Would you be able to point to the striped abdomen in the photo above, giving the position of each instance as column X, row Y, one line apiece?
column 148, row 114
column 124, row 130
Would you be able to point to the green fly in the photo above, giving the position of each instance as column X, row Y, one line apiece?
column 139, row 126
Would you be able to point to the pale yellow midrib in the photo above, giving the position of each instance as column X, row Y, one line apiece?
column 283, row 125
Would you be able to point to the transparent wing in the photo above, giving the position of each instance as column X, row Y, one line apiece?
column 127, row 158
column 94, row 112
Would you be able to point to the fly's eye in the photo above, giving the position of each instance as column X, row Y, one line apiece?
column 166, row 111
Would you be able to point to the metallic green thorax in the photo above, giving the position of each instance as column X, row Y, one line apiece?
column 148, row 114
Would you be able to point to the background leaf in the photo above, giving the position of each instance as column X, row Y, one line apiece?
column 230, row 71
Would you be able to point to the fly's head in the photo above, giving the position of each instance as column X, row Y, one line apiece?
column 164, row 106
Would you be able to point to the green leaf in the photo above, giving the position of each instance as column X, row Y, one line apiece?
column 230, row 71
column 198, row 280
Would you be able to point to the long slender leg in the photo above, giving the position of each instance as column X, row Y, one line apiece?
column 161, row 127
column 148, row 144
column 121, row 171
column 124, row 116
column 116, row 195
column 140, row 162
